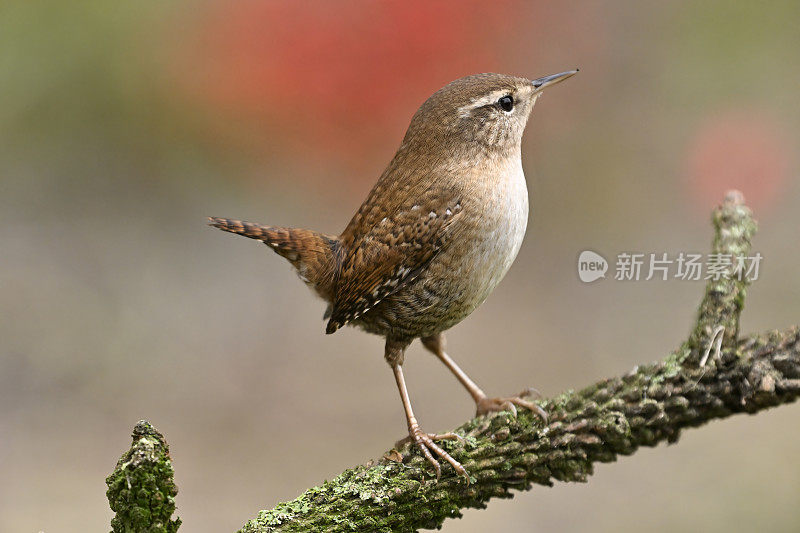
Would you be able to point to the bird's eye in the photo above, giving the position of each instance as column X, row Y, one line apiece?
column 506, row 103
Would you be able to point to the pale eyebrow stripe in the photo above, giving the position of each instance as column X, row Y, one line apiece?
column 475, row 103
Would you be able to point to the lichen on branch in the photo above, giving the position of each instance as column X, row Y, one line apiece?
column 722, row 304
column 141, row 489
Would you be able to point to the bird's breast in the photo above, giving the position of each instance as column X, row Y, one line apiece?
column 499, row 229
column 464, row 274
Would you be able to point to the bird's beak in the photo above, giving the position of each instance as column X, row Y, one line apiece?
column 540, row 83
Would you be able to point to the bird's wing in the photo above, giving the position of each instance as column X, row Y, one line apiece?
column 386, row 250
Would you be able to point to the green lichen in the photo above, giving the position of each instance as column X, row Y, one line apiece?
column 141, row 489
column 734, row 229
column 674, row 361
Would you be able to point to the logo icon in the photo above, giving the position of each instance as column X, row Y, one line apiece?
column 591, row 266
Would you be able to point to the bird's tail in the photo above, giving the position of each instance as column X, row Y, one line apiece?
column 314, row 255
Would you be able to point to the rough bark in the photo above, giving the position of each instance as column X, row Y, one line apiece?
column 713, row 374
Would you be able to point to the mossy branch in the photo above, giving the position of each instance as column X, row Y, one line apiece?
column 718, row 316
column 714, row 374
column 141, row 489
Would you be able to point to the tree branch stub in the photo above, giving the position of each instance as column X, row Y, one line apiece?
column 141, row 489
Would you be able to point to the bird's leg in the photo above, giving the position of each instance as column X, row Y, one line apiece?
column 483, row 403
column 424, row 441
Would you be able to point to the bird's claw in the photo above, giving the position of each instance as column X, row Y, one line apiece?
column 426, row 442
column 433, row 436
column 490, row 405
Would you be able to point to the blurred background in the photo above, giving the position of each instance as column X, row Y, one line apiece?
column 124, row 124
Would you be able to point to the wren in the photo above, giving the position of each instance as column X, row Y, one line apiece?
column 435, row 236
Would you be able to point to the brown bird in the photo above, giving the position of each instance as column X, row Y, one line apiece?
column 434, row 237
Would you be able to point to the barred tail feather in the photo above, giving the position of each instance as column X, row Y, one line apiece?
column 240, row 227
column 314, row 255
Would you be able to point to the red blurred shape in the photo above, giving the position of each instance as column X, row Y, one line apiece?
column 738, row 149
column 346, row 74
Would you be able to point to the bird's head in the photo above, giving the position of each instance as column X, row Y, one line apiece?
column 485, row 110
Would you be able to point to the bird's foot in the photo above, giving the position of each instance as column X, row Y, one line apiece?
column 426, row 442
column 489, row 405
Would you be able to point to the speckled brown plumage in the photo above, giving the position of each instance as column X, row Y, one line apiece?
column 436, row 234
